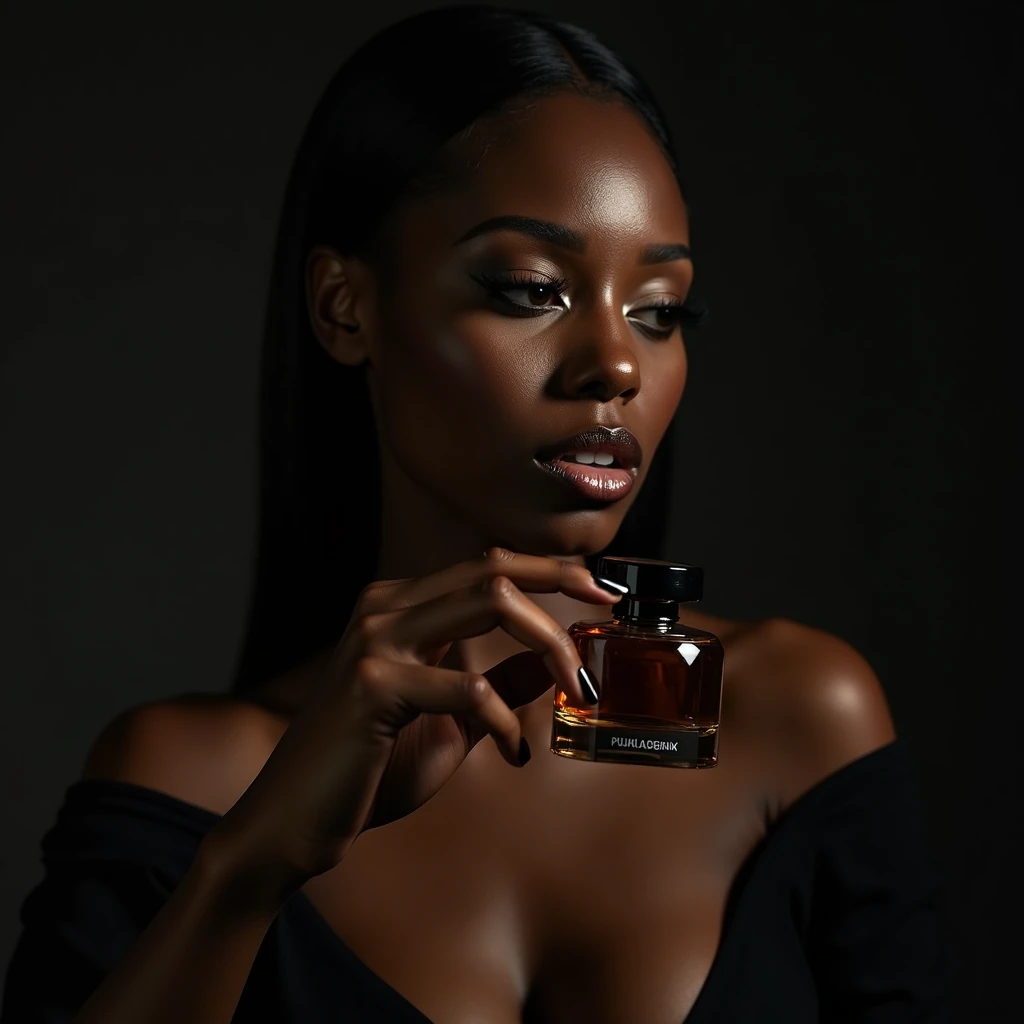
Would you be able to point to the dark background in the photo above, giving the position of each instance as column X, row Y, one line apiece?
column 843, row 436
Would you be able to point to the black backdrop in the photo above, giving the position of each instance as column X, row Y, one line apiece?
column 843, row 456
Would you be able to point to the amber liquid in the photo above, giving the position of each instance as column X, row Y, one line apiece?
column 661, row 696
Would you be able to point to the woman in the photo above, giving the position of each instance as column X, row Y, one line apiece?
column 484, row 253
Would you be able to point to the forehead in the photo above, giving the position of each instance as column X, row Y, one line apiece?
column 588, row 164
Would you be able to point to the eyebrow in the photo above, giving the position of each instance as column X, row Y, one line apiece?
column 566, row 238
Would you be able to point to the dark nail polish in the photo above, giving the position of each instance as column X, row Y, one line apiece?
column 589, row 686
column 524, row 751
column 619, row 589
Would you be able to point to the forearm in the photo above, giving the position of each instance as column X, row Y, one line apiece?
column 192, row 961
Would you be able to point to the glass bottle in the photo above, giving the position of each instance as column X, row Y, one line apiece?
column 660, row 682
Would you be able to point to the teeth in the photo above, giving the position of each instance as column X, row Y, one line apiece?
column 591, row 458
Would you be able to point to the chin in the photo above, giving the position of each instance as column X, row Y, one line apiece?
column 570, row 533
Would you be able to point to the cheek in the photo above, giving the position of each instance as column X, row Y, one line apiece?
column 682, row 368
column 461, row 380
column 663, row 380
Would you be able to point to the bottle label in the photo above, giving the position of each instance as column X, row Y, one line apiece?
column 647, row 746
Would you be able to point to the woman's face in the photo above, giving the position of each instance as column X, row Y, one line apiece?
column 497, row 340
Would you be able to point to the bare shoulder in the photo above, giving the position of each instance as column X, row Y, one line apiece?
column 204, row 749
column 808, row 699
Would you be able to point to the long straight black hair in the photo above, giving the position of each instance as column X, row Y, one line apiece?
column 373, row 138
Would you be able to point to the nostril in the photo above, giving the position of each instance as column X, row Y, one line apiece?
column 595, row 389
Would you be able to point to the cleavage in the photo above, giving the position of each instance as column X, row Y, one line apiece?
column 526, row 895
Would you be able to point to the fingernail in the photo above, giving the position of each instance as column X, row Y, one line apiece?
column 524, row 751
column 611, row 586
column 589, row 686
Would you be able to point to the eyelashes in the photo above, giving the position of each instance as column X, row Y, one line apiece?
column 695, row 311
column 692, row 313
column 496, row 285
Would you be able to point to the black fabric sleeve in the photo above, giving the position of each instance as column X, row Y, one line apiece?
column 76, row 925
column 875, row 938
column 111, row 861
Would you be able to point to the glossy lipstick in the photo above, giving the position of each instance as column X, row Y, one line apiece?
column 607, row 465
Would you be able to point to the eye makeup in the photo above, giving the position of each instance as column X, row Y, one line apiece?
column 502, row 285
column 498, row 285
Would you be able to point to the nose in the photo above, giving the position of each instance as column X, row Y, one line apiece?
column 601, row 363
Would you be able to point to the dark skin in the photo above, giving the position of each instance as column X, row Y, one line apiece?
column 468, row 904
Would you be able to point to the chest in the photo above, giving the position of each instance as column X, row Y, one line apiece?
column 564, row 891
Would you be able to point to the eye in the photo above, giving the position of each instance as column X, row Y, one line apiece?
column 528, row 295
column 661, row 320
column 664, row 317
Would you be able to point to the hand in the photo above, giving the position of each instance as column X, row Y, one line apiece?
column 385, row 727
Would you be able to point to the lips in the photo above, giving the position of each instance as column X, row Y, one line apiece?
column 619, row 443
column 594, row 480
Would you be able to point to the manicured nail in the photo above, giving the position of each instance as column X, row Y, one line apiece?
column 589, row 686
column 611, row 586
column 524, row 751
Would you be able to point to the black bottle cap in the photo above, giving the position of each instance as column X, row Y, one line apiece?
column 649, row 579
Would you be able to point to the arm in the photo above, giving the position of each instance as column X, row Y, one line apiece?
column 327, row 771
column 192, row 961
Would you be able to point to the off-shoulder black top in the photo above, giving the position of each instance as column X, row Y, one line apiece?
column 833, row 918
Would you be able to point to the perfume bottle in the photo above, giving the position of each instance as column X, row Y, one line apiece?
column 660, row 682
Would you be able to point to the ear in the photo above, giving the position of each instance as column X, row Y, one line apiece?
column 339, row 297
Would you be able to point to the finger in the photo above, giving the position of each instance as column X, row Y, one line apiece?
column 398, row 692
column 521, row 678
column 530, row 573
column 473, row 611
column 380, row 595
